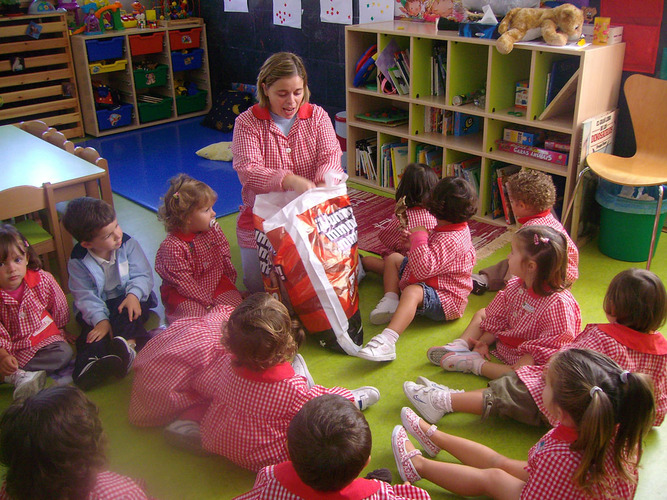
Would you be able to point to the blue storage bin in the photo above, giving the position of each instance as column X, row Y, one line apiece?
column 187, row 60
column 114, row 118
column 105, row 48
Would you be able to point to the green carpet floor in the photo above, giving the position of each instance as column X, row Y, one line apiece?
column 171, row 474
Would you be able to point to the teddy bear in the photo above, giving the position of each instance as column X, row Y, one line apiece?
column 555, row 25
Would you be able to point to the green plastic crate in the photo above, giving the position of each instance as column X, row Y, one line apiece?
column 151, row 111
column 147, row 78
column 191, row 103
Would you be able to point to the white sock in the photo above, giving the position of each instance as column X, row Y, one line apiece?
column 458, row 344
column 389, row 336
column 391, row 296
column 477, row 366
column 442, row 400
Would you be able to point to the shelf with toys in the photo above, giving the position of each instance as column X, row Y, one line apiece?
column 161, row 75
column 464, row 99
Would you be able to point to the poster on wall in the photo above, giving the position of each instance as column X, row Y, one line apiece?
column 287, row 13
column 373, row 11
column 336, row 11
column 236, row 5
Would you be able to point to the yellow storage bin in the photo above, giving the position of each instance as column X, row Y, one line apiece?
column 118, row 65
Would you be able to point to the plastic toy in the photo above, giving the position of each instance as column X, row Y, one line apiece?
column 40, row 6
column 365, row 66
column 72, row 8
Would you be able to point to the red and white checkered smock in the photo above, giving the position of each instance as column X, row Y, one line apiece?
column 263, row 156
column 551, row 465
column 37, row 321
column 164, row 370
column 526, row 323
column 249, row 413
column 394, row 238
column 197, row 273
column 443, row 259
column 281, row 482
column 109, row 486
column 546, row 218
column 632, row 350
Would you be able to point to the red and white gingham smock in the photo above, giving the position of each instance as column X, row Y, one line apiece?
column 263, row 156
column 632, row 350
column 165, row 368
column 109, row 486
column 197, row 273
column 526, row 323
column 546, row 218
column 281, row 482
column 393, row 237
column 551, row 465
column 249, row 413
column 23, row 331
column 443, row 259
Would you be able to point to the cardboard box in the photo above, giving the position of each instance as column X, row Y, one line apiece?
column 615, row 34
column 533, row 152
column 521, row 94
column 525, row 137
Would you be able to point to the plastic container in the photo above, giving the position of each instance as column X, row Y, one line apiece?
column 187, row 60
column 191, row 103
column 146, row 44
column 114, row 118
column 626, row 224
column 184, row 39
column 147, row 78
column 97, row 67
column 151, row 111
column 105, row 48
column 341, row 133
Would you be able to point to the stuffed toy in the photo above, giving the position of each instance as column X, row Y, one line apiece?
column 556, row 26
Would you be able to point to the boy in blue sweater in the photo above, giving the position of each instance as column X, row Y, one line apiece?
column 112, row 284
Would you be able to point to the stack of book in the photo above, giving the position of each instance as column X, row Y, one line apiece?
column 533, row 144
column 366, row 158
column 437, row 120
column 469, row 169
column 438, row 70
column 500, row 202
column 393, row 161
column 399, row 71
column 430, row 155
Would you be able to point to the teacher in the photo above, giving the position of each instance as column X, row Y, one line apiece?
column 284, row 143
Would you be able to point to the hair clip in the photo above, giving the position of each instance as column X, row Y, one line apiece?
column 25, row 243
column 624, row 376
column 176, row 195
column 540, row 239
column 595, row 389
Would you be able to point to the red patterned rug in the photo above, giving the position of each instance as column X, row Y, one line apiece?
column 373, row 212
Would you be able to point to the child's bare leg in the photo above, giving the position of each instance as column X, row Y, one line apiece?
column 373, row 264
column 493, row 371
column 392, row 264
column 468, row 402
column 387, row 306
column 411, row 298
column 474, row 331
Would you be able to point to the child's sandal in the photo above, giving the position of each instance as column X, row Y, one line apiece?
column 411, row 423
column 406, row 468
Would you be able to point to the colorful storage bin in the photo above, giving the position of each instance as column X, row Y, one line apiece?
column 97, row 67
column 191, row 103
column 114, row 118
column 187, row 60
column 147, row 78
column 151, row 111
column 146, row 44
column 185, row 39
column 105, row 48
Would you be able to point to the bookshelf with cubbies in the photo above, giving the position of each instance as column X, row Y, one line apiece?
column 475, row 67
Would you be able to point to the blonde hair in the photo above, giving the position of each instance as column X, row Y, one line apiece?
column 277, row 66
column 532, row 187
column 184, row 196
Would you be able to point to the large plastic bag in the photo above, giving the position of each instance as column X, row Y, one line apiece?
column 307, row 246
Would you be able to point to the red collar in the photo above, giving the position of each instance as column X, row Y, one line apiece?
column 523, row 220
column 288, row 478
column 446, row 228
column 647, row 343
column 32, row 278
column 274, row 374
column 261, row 113
column 532, row 292
column 187, row 237
column 565, row 434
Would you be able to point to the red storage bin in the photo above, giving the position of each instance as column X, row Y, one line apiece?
column 146, row 44
column 184, row 39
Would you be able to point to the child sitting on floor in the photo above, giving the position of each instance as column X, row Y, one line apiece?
column 112, row 285
column 532, row 195
column 636, row 306
column 33, row 315
column 241, row 393
column 415, row 187
column 528, row 321
column 434, row 279
column 194, row 260
column 603, row 413
column 329, row 443
column 52, row 445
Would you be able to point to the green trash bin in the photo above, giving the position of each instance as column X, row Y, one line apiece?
column 626, row 223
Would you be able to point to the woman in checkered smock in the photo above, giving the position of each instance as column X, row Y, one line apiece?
column 604, row 413
column 194, row 260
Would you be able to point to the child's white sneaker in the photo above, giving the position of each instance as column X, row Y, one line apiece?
column 301, row 368
column 365, row 396
column 25, row 383
column 433, row 401
column 385, row 309
column 185, row 434
column 378, row 349
column 464, row 362
column 436, row 353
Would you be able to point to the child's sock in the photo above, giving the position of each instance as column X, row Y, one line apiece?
column 389, row 335
column 442, row 399
column 458, row 345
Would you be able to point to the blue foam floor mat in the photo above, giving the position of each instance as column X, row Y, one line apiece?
column 142, row 161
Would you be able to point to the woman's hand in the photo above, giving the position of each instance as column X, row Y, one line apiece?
column 293, row 182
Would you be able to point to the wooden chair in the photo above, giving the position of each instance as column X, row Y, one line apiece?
column 34, row 127
column 91, row 155
column 26, row 200
column 647, row 102
column 58, row 139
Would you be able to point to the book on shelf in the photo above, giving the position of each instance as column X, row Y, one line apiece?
column 399, row 80
column 495, row 204
column 399, row 161
column 366, row 150
column 430, row 155
column 597, row 134
column 502, row 173
column 561, row 71
column 468, row 169
column 390, row 117
column 557, row 141
column 466, row 124
column 533, row 152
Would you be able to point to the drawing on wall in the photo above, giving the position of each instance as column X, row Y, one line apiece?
column 430, row 10
column 372, row 11
column 236, row 5
column 287, row 13
column 336, row 11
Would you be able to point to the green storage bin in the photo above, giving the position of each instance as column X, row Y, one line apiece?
column 191, row 103
column 147, row 78
column 151, row 111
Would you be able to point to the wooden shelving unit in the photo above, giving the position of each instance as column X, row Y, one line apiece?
column 473, row 64
column 37, row 79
